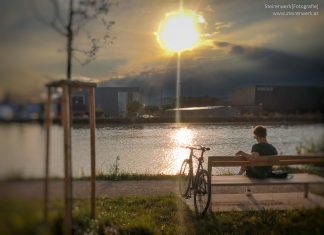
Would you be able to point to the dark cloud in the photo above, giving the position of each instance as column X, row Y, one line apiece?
column 281, row 63
column 227, row 73
column 237, row 49
column 222, row 44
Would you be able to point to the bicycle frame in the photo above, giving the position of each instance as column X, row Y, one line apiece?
column 200, row 159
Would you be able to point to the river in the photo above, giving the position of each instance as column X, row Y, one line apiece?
column 148, row 148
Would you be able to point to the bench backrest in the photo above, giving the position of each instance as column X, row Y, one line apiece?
column 215, row 161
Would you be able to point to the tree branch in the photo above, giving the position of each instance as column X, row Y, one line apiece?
column 56, row 6
column 43, row 20
column 77, row 18
column 57, row 28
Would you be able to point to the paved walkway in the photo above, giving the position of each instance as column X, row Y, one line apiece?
column 262, row 201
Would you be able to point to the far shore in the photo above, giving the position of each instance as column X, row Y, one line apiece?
column 282, row 119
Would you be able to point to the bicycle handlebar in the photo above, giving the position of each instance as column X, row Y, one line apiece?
column 199, row 147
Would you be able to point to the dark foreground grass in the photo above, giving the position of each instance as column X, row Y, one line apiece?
column 100, row 176
column 133, row 176
column 154, row 215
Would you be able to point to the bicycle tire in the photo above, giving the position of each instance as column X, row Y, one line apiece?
column 184, row 179
column 202, row 194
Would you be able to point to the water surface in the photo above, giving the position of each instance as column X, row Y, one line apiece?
column 141, row 148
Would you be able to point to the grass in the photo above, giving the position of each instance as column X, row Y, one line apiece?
column 138, row 176
column 154, row 215
column 134, row 176
column 100, row 176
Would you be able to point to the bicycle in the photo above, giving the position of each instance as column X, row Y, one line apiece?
column 198, row 183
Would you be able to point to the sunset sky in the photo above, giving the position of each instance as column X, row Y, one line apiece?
column 242, row 44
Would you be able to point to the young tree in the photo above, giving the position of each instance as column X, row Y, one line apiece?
column 133, row 108
column 70, row 17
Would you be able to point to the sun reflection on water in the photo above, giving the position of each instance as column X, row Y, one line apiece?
column 183, row 137
column 180, row 138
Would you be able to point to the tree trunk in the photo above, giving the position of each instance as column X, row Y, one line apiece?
column 69, row 42
column 69, row 56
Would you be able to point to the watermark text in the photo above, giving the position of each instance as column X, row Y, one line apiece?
column 293, row 9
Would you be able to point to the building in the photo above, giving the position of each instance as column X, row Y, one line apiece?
column 114, row 101
column 80, row 102
column 6, row 112
column 21, row 111
column 281, row 99
column 109, row 101
column 244, row 97
column 290, row 99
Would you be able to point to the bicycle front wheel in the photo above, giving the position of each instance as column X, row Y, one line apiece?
column 184, row 178
column 202, row 193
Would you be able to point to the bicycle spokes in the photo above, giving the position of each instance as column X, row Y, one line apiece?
column 185, row 179
column 202, row 194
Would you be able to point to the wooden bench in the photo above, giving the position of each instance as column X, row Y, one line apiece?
column 239, row 180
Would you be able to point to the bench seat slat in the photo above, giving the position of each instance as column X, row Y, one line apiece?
column 243, row 180
column 217, row 161
column 269, row 162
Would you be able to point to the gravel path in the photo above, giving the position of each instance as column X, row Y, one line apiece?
column 81, row 189
column 236, row 199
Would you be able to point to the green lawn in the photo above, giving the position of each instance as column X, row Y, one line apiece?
column 154, row 215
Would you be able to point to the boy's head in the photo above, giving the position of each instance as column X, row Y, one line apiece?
column 260, row 131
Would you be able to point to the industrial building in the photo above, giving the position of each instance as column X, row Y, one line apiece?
column 113, row 101
column 110, row 101
column 280, row 99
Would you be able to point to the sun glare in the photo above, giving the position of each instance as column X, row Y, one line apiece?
column 179, row 31
column 183, row 137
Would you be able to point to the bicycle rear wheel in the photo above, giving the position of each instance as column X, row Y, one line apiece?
column 202, row 193
column 184, row 179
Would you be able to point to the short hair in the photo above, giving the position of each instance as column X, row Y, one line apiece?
column 260, row 131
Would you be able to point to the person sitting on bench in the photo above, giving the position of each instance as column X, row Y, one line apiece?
column 262, row 148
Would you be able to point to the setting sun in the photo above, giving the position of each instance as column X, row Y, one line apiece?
column 179, row 31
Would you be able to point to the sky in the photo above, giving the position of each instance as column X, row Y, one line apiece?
column 242, row 44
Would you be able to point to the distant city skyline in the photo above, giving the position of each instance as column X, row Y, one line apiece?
column 243, row 44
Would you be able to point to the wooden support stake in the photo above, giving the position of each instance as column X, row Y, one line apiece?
column 209, row 187
column 92, row 119
column 66, row 117
column 67, row 160
column 48, row 108
column 306, row 191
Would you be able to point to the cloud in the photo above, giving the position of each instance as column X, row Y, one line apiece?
column 219, row 26
column 237, row 49
column 223, row 70
column 25, row 84
column 222, row 44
